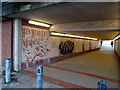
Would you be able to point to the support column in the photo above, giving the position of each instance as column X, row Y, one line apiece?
column 0, row 39
column 0, row 52
column 17, row 44
column 0, row 46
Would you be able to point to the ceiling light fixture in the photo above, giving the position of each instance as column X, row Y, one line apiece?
column 39, row 23
column 117, row 37
column 57, row 34
column 69, row 35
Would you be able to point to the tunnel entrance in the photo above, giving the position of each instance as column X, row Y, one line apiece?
column 107, row 45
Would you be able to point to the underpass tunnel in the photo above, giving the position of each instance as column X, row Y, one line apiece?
column 77, row 42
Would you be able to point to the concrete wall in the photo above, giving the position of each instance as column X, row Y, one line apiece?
column 117, row 47
column 55, row 41
column 38, row 44
column 38, row 47
column 6, row 40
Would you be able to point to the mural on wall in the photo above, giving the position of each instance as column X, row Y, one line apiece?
column 66, row 47
column 35, row 43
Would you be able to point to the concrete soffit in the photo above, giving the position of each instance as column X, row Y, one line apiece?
column 14, row 7
column 87, row 26
column 103, row 29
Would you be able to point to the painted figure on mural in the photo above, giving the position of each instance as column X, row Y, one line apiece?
column 41, row 50
column 28, row 48
column 34, row 43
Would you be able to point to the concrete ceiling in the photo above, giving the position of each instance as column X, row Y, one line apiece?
column 103, row 35
column 76, row 12
column 72, row 12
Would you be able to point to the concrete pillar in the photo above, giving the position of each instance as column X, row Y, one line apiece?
column 0, row 53
column 0, row 46
column 17, row 44
column 0, row 39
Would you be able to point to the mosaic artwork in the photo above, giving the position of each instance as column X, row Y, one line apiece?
column 35, row 43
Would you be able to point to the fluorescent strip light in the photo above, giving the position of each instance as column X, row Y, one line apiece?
column 88, row 38
column 68, row 35
column 76, row 36
column 57, row 34
column 117, row 37
column 38, row 23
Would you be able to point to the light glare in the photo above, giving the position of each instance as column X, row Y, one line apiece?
column 68, row 35
column 117, row 37
column 38, row 23
column 58, row 34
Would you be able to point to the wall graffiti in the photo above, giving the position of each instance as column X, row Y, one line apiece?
column 35, row 43
column 66, row 47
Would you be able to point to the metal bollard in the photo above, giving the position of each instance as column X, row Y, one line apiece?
column 8, row 70
column 39, row 77
column 102, row 85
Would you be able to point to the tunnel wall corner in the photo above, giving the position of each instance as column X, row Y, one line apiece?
column 117, row 47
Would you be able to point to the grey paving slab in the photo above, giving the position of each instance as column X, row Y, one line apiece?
column 99, row 62
column 10, row 85
column 78, row 79
column 26, row 81
column 33, row 85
